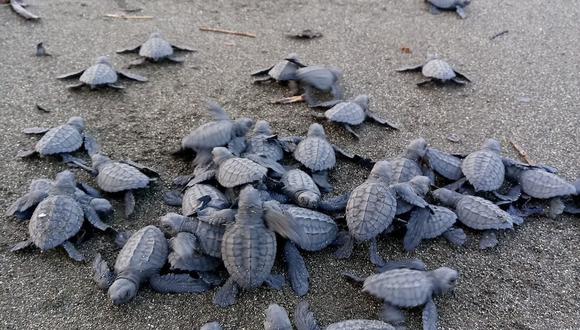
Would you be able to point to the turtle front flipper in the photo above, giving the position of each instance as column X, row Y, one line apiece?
column 77, row 162
column 461, row 76
column 392, row 315
column 406, row 193
column 297, row 271
column 275, row 281
column 334, row 204
column 70, row 75
column 175, row 59
column 434, row 10
column 129, row 203
column 461, row 12
column 412, row 68
column 414, row 264
column 115, row 86
column 72, row 251
column 304, row 318
column 91, row 145
column 143, row 168
column 337, row 91
column 345, row 251
column 21, row 245
column 173, row 198
column 35, row 130
column 353, row 278
column 375, row 258
column 177, row 283
column 374, row 117
column 132, row 76
column 282, row 224
column 129, row 50
column 94, row 219
column 226, row 295
column 26, row 202
column 103, row 276
column 351, row 131
column 184, row 48
column 488, row 240
column 455, row 236
column 458, row 81
column 415, row 229
column 291, row 99
column 430, row 315
column 326, row 104
column 425, row 82
column 321, row 180
column 137, row 62
column 262, row 72
column 26, row 153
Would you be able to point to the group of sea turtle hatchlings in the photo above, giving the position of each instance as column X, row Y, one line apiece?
column 249, row 185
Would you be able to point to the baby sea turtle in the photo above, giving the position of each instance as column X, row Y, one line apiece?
column 187, row 255
column 264, row 143
column 301, row 189
column 477, row 213
column 304, row 320
column 458, row 6
column 126, row 176
column 284, row 71
column 140, row 261
column 59, row 217
column 249, row 246
column 316, row 78
column 410, row 287
column 351, row 113
column 408, row 166
column 444, row 164
column 484, row 168
column 438, row 71
column 277, row 318
column 156, row 49
column 101, row 74
column 216, row 133
column 61, row 140
column 539, row 183
column 201, row 196
column 316, row 154
column 430, row 223
column 234, row 171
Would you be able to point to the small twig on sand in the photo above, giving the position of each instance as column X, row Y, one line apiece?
column 123, row 16
column 236, row 33
column 522, row 153
column 499, row 34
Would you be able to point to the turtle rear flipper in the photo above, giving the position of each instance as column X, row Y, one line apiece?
column 337, row 91
column 226, row 295
column 425, row 82
column 129, row 200
column 349, row 129
column 177, row 283
column 326, row 104
column 392, row 315
column 304, row 318
column 143, row 168
column 375, row 258
column 129, row 50
column 351, row 277
column 102, row 274
column 461, row 12
column 76, row 86
column 89, row 190
column 70, row 75
column 374, row 117
column 434, row 10
column 72, row 251
column 430, row 315
column 297, row 271
column 345, row 250
column 132, row 76
column 137, row 62
column 21, row 246
column 275, row 281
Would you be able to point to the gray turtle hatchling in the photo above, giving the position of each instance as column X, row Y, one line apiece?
column 209, row 228
column 430, row 223
column 301, row 189
column 437, row 70
column 284, row 71
column 444, row 164
column 304, row 320
column 539, row 183
column 316, row 154
column 484, row 168
column 234, row 171
column 113, row 177
column 277, row 318
column 408, row 288
column 458, row 6
column 407, row 166
column 59, row 217
column 156, row 49
column 477, row 213
column 61, row 140
column 140, row 261
column 101, row 74
column 216, row 133
column 201, row 196
column 249, row 246
column 264, row 142
column 351, row 113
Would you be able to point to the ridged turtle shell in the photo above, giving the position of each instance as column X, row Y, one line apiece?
column 262, row 146
column 316, row 76
column 210, row 238
column 370, row 210
column 484, row 170
column 190, row 200
column 437, row 222
column 478, row 213
column 444, row 164
column 99, row 74
column 55, row 220
column 542, row 184
column 438, row 69
column 156, row 48
column 248, row 253
column 209, row 135
column 145, row 253
column 235, row 172
column 320, row 230
column 61, row 139
column 315, row 153
column 400, row 287
column 444, row 4
column 346, row 112
column 404, row 170
column 114, row 177
column 283, row 71
column 296, row 181
column 360, row 325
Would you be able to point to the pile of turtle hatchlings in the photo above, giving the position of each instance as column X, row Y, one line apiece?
column 249, row 185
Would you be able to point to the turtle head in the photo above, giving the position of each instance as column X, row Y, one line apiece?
column 492, row 145
column 446, row 196
column 421, row 185
column 417, row 149
column 308, row 199
column 99, row 160
column 102, row 206
column 250, row 203
column 363, row 101
column 462, row 3
column 221, row 154
column 104, row 60
column 77, row 122
column 122, row 291
column 444, row 280
column 316, row 130
column 243, row 126
column 65, row 182
column 382, row 170
column 173, row 223
column 156, row 34
column 262, row 127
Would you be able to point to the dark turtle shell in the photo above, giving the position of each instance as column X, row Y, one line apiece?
column 55, row 220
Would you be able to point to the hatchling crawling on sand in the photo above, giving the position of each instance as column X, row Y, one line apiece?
column 282, row 72
column 436, row 6
column 408, row 165
column 484, row 169
column 249, row 246
column 350, row 113
column 438, row 71
column 407, row 284
column 477, row 213
column 59, row 217
column 234, row 171
column 140, row 261
column 156, row 49
column 101, row 74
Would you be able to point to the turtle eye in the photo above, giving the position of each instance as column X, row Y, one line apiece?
column 452, row 281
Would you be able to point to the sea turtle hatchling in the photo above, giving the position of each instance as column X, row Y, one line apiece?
column 233, row 171
column 301, row 189
column 437, row 70
column 101, row 74
column 430, row 223
column 539, row 183
column 140, row 261
column 408, row 165
column 484, row 168
column 282, row 72
column 61, row 140
column 458, row 6
column 350, row 113
column 156, row 49
column 249, row 246
column 264, row 143
column 59, row 217
column 477, row 213
column 316, row 78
